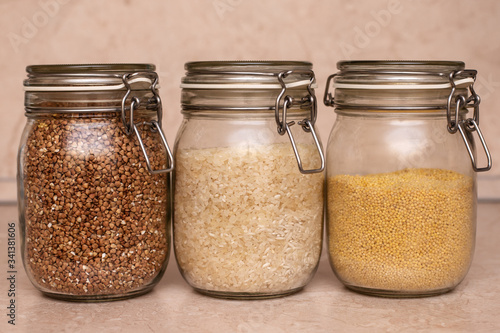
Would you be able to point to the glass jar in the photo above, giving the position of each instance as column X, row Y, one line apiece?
column 401, row 190
column 93, row 188
column 248, row 202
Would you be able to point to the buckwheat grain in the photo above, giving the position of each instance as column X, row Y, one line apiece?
column 96, row 219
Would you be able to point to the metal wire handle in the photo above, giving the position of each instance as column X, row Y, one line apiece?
column 471, row 126
column 307, row 124
column 157, row 126
column 316, row 142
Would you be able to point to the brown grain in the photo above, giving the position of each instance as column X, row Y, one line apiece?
column 96, row 219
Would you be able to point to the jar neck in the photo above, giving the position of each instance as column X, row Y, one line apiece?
column 395, row 113
column 83, row 101
column 237, row 101
column 395, row 100
column 140, row 115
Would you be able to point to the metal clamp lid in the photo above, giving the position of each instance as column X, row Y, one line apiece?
column 463, row 78
column 155, row 125
column 469, row 125
column 307, row 123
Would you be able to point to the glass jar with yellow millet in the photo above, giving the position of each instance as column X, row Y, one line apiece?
column 401, row 188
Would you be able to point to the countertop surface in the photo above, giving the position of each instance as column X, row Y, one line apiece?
column 323, row 306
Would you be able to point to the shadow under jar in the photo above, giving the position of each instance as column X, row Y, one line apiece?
column 93, row 183
column 248, row 209
column 401, row 188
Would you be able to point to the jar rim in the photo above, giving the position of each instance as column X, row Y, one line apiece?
column 88, row 68
column 87, row 77
column 349, row 64
column 401, row 74
column 214, row 65
column 246, row 74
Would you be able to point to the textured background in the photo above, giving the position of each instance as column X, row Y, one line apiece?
column 170, row 33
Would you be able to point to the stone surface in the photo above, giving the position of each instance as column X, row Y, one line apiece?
column 323, row 306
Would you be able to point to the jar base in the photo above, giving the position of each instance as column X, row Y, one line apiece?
column 246, row 296
column 97, row 298
column 398, row 294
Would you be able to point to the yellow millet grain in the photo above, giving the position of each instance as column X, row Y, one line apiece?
column 410, row 231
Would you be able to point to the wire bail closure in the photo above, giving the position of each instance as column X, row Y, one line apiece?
column 468, row 126
column 307, row 124
column 155, row 125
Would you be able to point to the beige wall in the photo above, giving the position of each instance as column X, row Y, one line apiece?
column 169, row 33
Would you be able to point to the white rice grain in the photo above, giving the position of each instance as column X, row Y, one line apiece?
column 246, row 220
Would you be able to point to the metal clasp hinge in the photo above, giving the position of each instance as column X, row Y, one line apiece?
column 328, row 98
column 469, row 125
column 307, row 123
column 155, row 125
